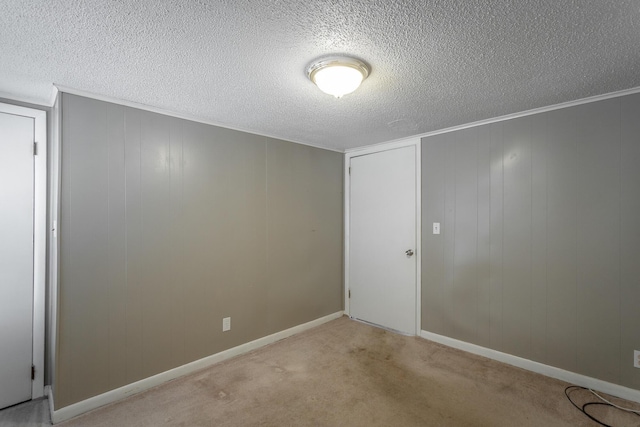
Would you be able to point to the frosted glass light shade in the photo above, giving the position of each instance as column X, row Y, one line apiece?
column 338, row 76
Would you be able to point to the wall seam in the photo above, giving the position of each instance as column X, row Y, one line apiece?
column 183, row 351
column 502, row 284
column 142, row 261
column 531, row 245
column 490, row 229
column 68, row 246
column 477, row 236
column 266, row 228
column 126, row 235
column 546, row 237
column 621, row 323
column 109, row 293
column 577, row 261
column 455, row 213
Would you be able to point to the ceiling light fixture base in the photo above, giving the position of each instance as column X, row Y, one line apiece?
column 338, row 75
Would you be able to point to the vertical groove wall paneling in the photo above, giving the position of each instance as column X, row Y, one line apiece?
column 164, row 233
column 598, row 221
column 156, row 242
column 465, row 238
column 538, row 237
column 134, row 256
column 176, row 230
column 561, row 260
column 433, row 210
column 496, row 234
column 304, row 237
column 516, row 294
column 84, row 328
column 483, row 240
column 630, row 240
column 448, row 229
column 549, row 246
column 116, row 199
column 198, row 206
column 223, row 252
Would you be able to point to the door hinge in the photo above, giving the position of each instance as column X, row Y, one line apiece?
column 349, row 170
column 35, row 148
column 33, row 372
column 349, row 293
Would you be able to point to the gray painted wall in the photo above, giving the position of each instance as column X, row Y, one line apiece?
column 167, row 226
column 539, row 251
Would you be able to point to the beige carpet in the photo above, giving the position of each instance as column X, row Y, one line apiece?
column 34, row 413
column 346, row 373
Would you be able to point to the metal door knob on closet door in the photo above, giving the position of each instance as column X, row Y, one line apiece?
column 409, row 252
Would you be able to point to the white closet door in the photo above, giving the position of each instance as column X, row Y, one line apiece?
column 382, row 259
column 16, row 257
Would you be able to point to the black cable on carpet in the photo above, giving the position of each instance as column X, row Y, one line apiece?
column 583, row 408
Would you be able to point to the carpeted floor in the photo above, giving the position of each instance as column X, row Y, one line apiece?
column 346, row 373
column 34, row 413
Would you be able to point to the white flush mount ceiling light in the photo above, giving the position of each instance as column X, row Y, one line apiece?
column 338, row 75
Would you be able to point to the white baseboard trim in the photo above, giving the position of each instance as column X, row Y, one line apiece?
column 540, row 368
column 111, row 396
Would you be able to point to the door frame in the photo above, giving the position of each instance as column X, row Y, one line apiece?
column 415, row 142
column 39, row 239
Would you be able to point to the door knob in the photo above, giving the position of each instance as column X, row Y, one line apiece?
column 409, row 252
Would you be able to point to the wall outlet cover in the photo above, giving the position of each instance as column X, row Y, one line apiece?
column 636, row 358
column 226, row 324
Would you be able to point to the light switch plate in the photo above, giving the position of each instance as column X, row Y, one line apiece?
column 636, row 358
column 436, row 228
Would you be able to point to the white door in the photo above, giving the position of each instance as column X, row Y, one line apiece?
column 16, row 257
column 382, row 239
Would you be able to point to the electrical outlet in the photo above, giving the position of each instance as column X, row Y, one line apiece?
column 636, row 358
column 226, row 324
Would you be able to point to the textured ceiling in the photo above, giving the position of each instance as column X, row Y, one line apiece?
column 241, row 63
